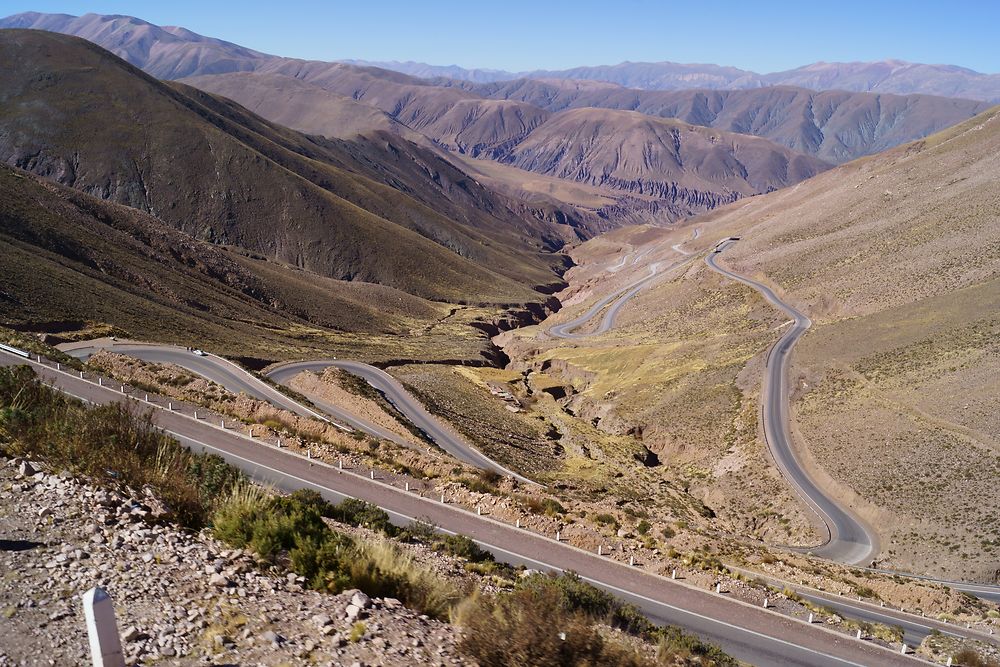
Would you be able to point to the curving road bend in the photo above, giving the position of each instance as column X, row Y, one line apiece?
column 750, row 633
column 567, row 330
column 236, row 380
column 620, row 298
column 442, row 435
column 850, row 540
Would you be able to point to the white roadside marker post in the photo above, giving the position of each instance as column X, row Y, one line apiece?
column 948, row 664
column 407, row 486
column 58, row 366
column 859, row 635
column 810, row 618
column 558, row 536
column 170, row 407
column 81, row 375
column 123, row 389
column 673, row 575
column 102, row 629
column 600, row 550
column 479, row 510
column 100, row 381
column 442, row 499
column 631, row 561
column 517, row 524
column 765, row 603
column 903, row 650
column 373, row 473
column 718, row 588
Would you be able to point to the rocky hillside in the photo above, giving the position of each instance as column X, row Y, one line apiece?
column 179, row 597
column 692, row 168
column 834, row 125
column 215, row 171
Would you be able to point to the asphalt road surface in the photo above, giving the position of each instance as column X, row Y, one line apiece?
column 616, row 299
column 441, row 434
column 850, row 540
column 752, row 634
column 235, row 379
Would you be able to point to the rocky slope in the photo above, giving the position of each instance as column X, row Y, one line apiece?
column 690, row 167
column 213, row 170
column 835, row 126
column 179, row 598
column 895, row 259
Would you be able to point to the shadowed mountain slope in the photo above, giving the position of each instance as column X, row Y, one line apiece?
column 74, row 113
column 70, row 256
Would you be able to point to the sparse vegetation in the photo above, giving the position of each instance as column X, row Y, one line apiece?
column 290, row 531
column 110, row 443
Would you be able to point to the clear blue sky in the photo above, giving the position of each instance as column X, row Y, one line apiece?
column 554, row 34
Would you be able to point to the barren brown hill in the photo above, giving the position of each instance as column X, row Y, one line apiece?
column 71, row 258
column 835, row 126
column 896, row 259
column 75, row 113
column 164, row 52
column 301, row 106
column 693, row 168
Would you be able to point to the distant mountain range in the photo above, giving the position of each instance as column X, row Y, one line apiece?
column 599, row 154
column 883, row 76
column 157, row 49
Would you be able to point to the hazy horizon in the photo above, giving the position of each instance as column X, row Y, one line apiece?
column 561, row 35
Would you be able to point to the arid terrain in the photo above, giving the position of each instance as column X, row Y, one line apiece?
column 895, row 260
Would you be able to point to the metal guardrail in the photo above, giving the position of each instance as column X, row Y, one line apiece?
column 14, row 350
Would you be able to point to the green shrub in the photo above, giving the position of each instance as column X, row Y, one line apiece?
column 290, row 530
column 530, row 626
column 462, row 547
column 606, row 520
column 643, row 527
column 360, row 513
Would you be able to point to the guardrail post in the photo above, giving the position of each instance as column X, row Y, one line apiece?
column 105, row 644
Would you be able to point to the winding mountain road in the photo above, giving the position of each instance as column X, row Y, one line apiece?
column 750, row 633
column 442, row 434
column 236, row 380
column 568, row 330
column 850, row 539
